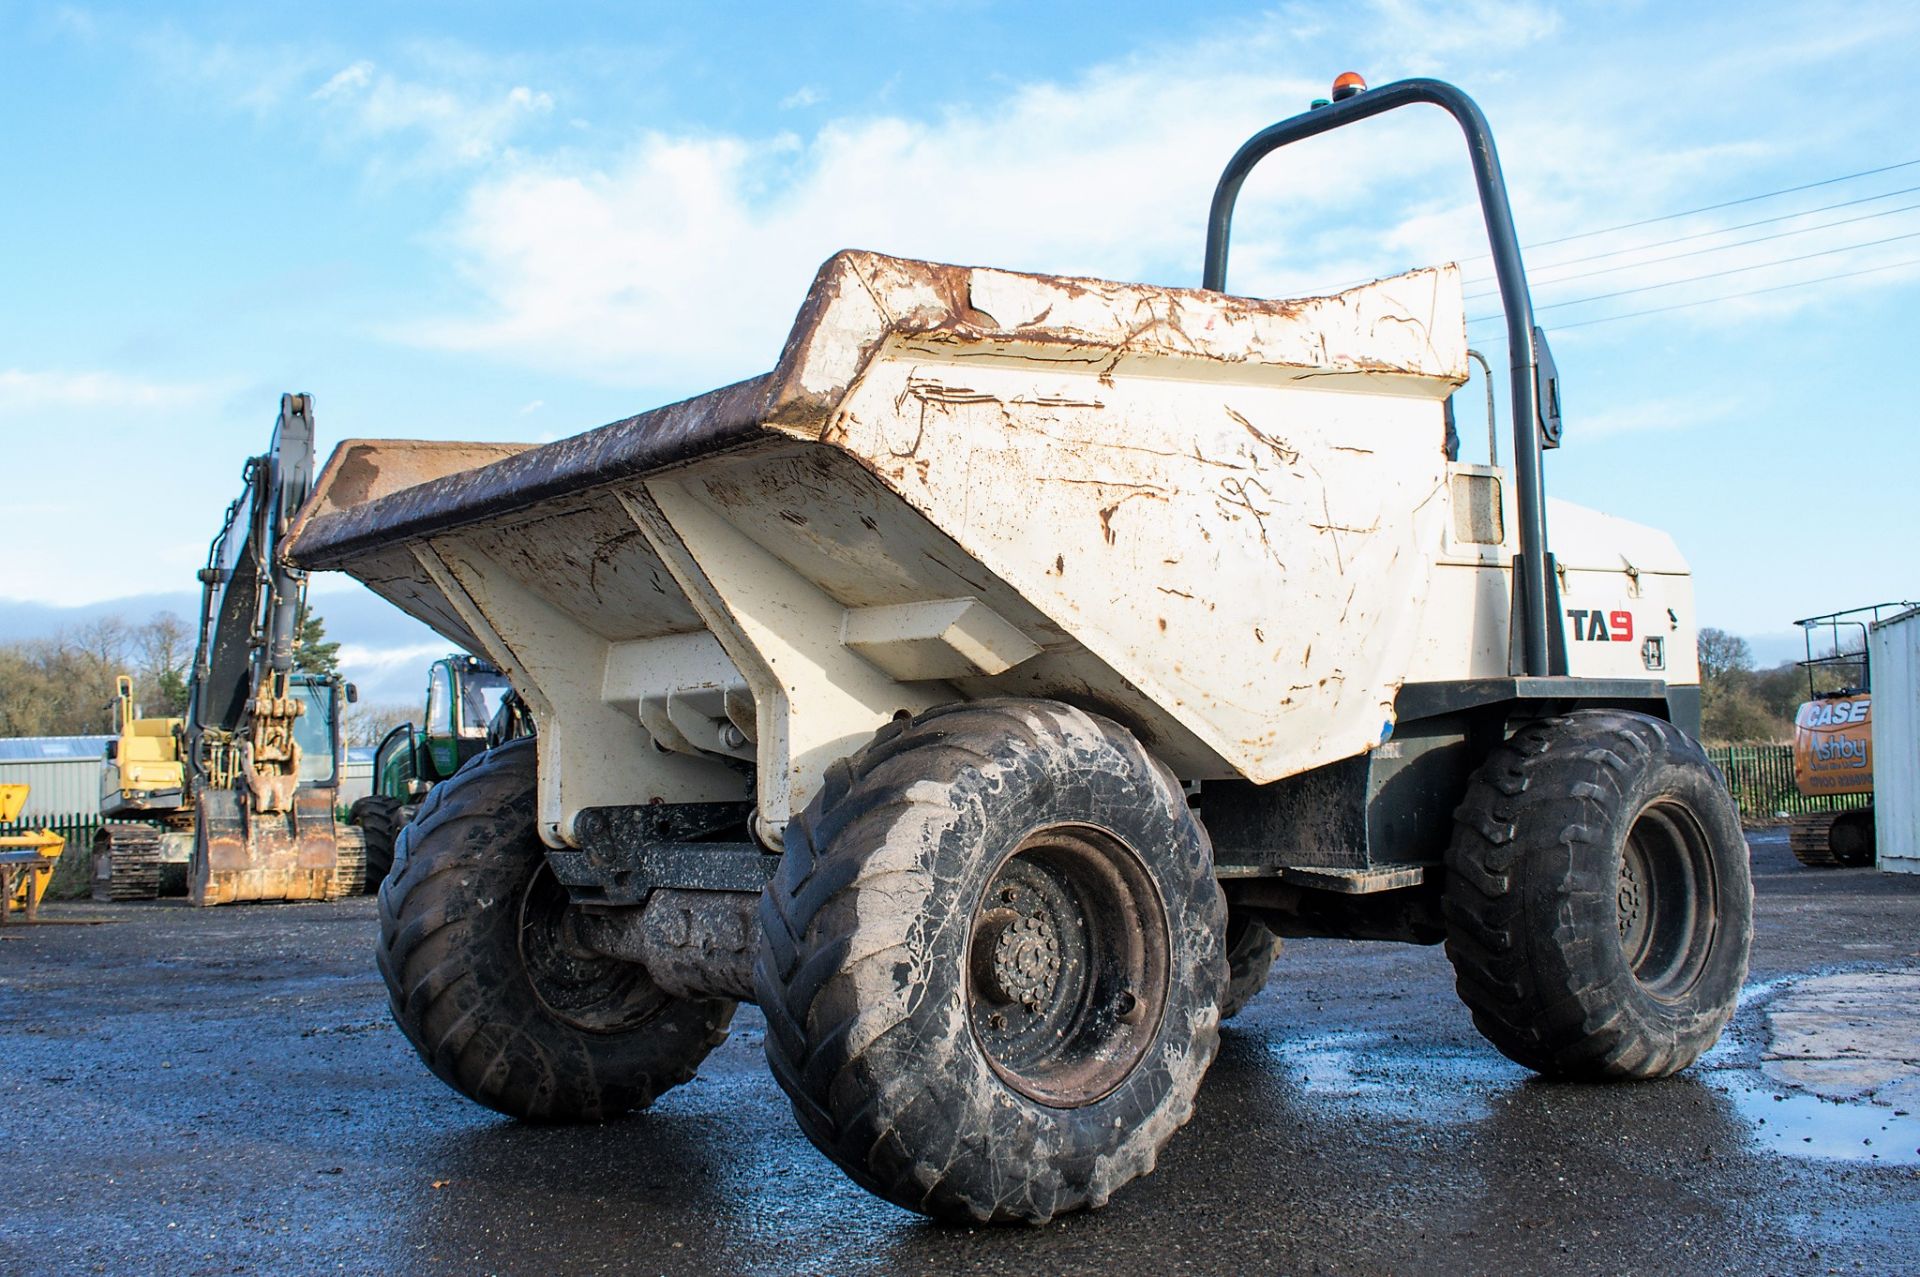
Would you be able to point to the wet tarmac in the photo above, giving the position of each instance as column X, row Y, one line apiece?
column 222, row 1092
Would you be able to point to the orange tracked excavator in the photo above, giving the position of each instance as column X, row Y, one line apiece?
column 1833, row 738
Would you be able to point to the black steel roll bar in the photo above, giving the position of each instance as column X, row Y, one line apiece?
column 1535, row 384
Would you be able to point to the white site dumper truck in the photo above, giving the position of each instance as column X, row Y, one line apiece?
column 983, row 691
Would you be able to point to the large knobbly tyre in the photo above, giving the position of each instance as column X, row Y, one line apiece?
column 378, row 817
column 990, row 961
column 488, row 980
column 1251, row 949
column 1598, row 902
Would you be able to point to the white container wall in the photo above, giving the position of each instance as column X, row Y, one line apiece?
column 64, row 772
column 356, row 776
column 1893, row 655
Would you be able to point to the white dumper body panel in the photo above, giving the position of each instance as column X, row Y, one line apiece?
column 1228, row 524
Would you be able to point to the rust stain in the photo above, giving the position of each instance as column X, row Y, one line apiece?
column 1287, row 453
column 1106, row 512
column 1235, row 492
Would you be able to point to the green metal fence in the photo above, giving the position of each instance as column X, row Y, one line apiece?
column 73, row 876
column 1760, row 777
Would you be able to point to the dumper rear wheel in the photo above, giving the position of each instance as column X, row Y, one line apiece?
column 1598, row 902
column 490, row 981
column 990, row 961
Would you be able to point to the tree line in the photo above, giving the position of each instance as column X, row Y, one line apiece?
column 1740, row 704
column 64, row 685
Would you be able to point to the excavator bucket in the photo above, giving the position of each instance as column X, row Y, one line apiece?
column 298, row 854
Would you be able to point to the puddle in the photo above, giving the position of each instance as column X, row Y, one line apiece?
column 1801, row 1124
column 1388, row 1078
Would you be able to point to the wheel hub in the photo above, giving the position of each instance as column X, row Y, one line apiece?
column 1630, row 900
column 573, row 982
column 1068, row 966
column 1666, row 899
column 1025, row 965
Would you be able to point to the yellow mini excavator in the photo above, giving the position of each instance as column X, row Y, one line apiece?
column 146, row 832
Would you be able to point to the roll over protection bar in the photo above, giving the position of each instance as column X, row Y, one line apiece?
column 1535, row 385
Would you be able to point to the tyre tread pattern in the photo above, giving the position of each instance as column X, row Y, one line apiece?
column 475, row 1020
column 1524, row 901
column 379, row 816
column 837, row 1008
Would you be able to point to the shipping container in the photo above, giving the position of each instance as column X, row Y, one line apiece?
column 64, row 772
column 1893, row 657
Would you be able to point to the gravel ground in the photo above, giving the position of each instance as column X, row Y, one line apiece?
column 223, row 1092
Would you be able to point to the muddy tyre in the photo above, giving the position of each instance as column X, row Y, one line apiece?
column 380, row 819
column 1251, row 950
column 1598, row 902
column 491, row 985
column 990, row 962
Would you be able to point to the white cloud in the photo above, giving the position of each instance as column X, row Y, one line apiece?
column 685, row 256
column 804, row 96
column 22, row 390
column 679, row 260
column 451, row 125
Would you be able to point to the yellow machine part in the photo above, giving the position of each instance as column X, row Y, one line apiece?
column 145, row 774
column 1833, row 746
column 26, row 859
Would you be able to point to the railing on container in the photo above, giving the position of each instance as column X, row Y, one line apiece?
column 73, row 876
column 1760, row 778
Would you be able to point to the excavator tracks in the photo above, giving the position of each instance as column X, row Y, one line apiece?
column 126, row 862
column 1832, row 839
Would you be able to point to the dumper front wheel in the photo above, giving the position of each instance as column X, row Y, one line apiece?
column 990, row 962
column 1598, row 902
column 490, row 981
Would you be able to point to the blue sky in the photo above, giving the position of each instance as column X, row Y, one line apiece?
column 500, row 221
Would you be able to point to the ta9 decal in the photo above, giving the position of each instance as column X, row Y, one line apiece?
column 1601, row 627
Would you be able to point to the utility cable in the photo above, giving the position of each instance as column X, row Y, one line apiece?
column 1701, row 252
column 1729, row 297
column 1709, row 208
column 1717, row 274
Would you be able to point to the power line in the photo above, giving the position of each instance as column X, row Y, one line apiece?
column 1709, row 208
column 1718, row 274
column 1718, row 230
column 1729, row 297
column 1717, row 248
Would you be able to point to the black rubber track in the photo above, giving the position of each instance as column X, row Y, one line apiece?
column 1833, row 839
column 132, row 855
column 1532, row 898
column 864, row 931
column 378, row 816
column 460, row 987
column 1251, row 950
